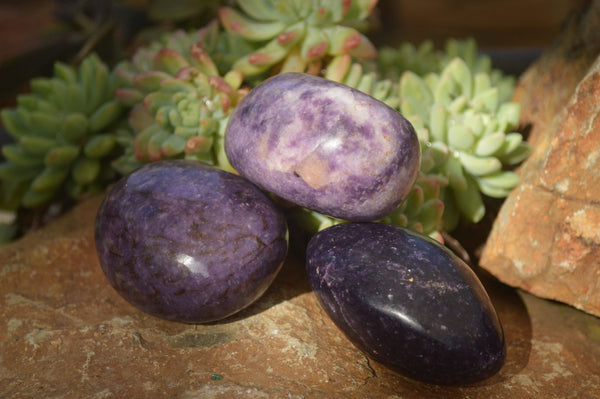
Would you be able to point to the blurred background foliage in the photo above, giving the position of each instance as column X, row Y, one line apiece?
column 42, row 32
column 39, row 32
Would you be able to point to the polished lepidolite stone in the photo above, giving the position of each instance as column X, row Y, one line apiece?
column 189, row 242
column 324, row 146
column 406, row 301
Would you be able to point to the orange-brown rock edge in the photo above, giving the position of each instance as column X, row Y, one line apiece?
column 546, row 238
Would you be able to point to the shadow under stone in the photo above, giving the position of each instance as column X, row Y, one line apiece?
column 516, row 323
column 291, row 281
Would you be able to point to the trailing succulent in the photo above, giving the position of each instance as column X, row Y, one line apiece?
column 85, row 126
column 64, row 132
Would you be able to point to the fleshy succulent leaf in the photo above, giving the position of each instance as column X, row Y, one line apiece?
column 36, row 199
column 15, row 154
column 15, row 122
column 74, row 128
column 490, row 144
column 460, row 137
column 65, row 72
column 49, row 179
column 150, row 80
column 61, row 156
column 36, row 145
column 297, row 35
column 469, row 201
column 104, row 116
column 259, row 9
column 59, row 124
column 498, row 185
column 170, row 61
column 342, row 39
column 99, row 146
column 249, row 29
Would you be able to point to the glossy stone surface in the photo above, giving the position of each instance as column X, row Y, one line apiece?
column 188, row 242
column 324, row 146
column 407, row 302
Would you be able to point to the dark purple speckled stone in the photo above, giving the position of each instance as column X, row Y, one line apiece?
column 406, row 301
column 188, row 242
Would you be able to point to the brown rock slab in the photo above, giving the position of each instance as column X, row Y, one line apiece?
column 65, row 333
column 545, row 238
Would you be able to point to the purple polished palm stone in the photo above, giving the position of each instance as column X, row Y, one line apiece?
column 324, row 146
column 188, row 242
column 407, row 302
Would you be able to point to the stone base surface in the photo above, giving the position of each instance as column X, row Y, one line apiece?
column 65, row 333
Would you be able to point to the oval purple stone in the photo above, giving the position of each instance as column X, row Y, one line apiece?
column 407, row 302
column 188, row 242
column 324, row 146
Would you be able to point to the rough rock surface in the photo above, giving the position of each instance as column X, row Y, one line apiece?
column 65, row 333
column 546, row 238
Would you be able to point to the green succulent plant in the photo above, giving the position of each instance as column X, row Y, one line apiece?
column 468, row 133
column 72, row 134
column 420, row 59
column 424, row 59
column 223, row 48
column 296, row 36
column 478, row 63
column 423, row 208
column 179, row 103
column 460, row 107
column 64, row 134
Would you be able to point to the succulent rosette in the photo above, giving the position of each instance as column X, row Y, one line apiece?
column 420, row 59
column 478, row 63
column 424, row 58
column 297, row 36
column 179, row 102
column 223, row 48
column 423, row 208
column 468, row 134
column 65, row 135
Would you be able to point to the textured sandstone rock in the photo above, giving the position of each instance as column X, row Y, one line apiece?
column 65, row 333
column 546, row 238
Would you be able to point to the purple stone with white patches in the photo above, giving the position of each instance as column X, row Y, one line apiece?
column 188, row 242
column 324, row 146
column 407, row 302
